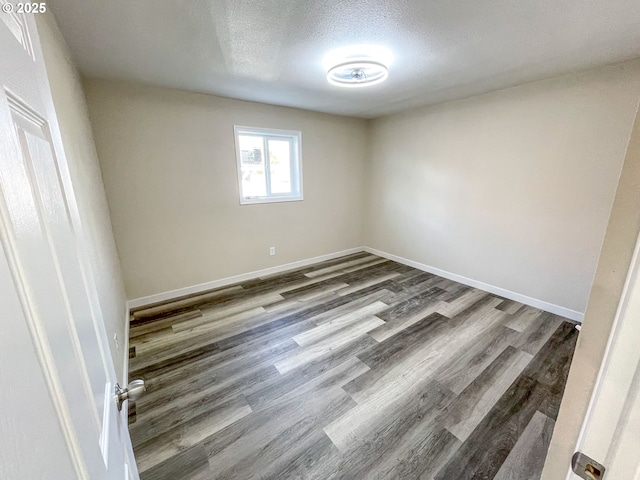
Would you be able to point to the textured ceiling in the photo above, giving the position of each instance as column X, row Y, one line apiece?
column 271, row 51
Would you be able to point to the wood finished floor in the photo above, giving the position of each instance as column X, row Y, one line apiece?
column 355, row 368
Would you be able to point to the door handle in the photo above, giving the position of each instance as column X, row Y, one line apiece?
column 130, row 392
column 586, row 467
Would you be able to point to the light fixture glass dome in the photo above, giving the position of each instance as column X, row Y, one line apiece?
column 357, row 65
column 361, row 73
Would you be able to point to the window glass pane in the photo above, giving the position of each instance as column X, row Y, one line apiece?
column 280, row 163
column 269, row 165
column 254, row 182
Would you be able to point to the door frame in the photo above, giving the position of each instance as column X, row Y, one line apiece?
column 618, row 338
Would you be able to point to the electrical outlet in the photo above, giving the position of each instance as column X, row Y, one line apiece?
column 272, row 250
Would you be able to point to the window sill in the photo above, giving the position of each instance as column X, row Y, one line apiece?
column 257, row 201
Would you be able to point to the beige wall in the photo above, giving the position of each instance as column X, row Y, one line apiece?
column 511, row 188
column 617, row 251
column 169, row 168
column 77, row 138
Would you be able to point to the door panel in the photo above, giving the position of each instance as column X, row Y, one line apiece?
column 28, row 423
column 33, row 251
column 44, row 176
column 17, row 24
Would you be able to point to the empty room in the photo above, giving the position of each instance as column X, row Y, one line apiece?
column 293, row 239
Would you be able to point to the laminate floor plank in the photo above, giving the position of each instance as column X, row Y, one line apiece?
column 459, row 374
column 419, row 456
column 381, row 418
column 466, row 300
column 163, row 414
column 338, row 367
column 353, row 368
column 415, row 277
column 477, row 400
column 349, row 307
column 367, row 282
column 309, row 291
column 215, row 330
column 186, row 465
column 523, row 318
column 277, row 281
column 165, row 390
column 219, row 365
column 245, row 354
column 268, row 282
column 411, row 305
column 509, row 306
column 365, row 270
column 211, row 313
column 476, row 310
column 316, row 462
column 290, row 306
column 399, row 324
column 141, row 329
column 343, row 336
column 346, row 275
column 188, row 302
column 487, row 447
column 190, row 433
column 340, row 266
column 252, row 444
column 271, row 282
column 329, row 328
column 395, row 350
column 526, row 459
column 404, row 292
column 333, row 261
column 534, row 337
column 421, row 360
column 550, row 367
column 454, row 291
column 398, row 353
column 484, row 451
column 371, row 449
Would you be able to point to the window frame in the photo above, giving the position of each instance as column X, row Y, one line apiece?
column 295, row 138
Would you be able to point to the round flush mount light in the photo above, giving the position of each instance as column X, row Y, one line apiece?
column 357, row 65
column 362, row 73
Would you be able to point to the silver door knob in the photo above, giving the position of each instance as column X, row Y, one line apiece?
column 131, row 392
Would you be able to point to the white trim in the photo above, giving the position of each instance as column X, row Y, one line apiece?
column 203, row 287
column 106, row 422
column 125, row 368
column 223, row 282
column 518, row 297
column 272, row 199
column 131, row 469
column 265, row 131
column 614, row 337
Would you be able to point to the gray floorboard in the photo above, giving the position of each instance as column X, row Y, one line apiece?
column 354, row 368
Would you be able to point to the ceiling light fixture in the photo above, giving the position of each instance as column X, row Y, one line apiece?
column 357, row 65
column 362, row 73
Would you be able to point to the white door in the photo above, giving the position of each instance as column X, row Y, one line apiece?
column 611, row 430
column 58, row 415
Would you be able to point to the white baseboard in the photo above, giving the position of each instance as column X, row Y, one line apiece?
column 223, row 282
column 203, row 287
column 534, row 302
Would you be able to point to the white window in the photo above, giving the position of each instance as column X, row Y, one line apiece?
column 269, row 165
